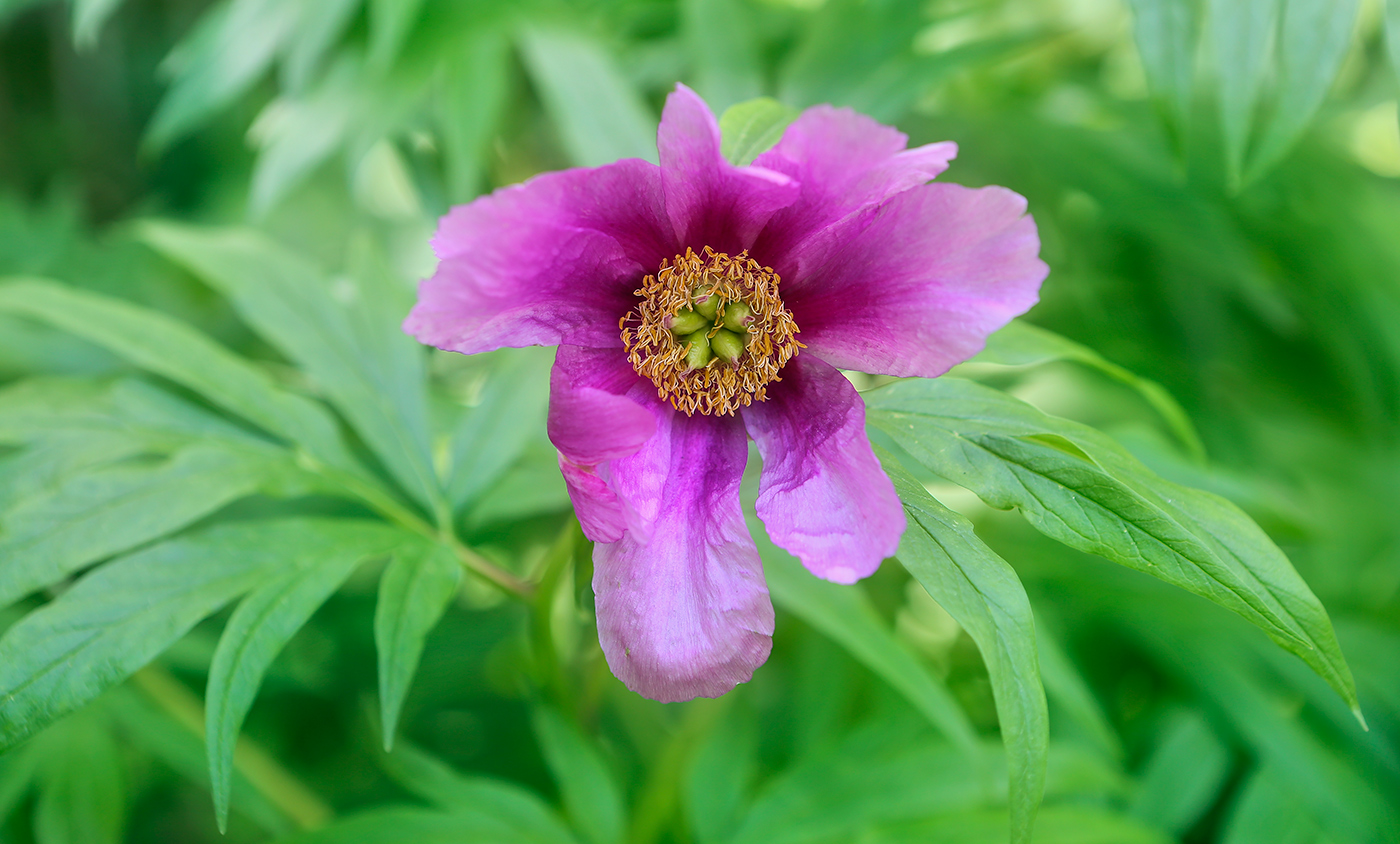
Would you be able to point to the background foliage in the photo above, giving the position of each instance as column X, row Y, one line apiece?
column 211, row 221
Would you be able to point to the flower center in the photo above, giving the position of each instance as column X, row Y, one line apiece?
column 710, row 332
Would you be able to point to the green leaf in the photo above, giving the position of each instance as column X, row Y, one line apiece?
column 416, row 589
column 119, row 617
column 1392, row 33
column 590, row 791
column 1313, row 43
column 263, row 624
column 1241, row 33
column 599, row 114
column 344, row 332
column 490, row 437
column 1023, row 344
column 720, row 776
column 750, row 128
column 1078, row 486
column 396, row 825
column 1057, row 825
column 174, row 350
column 845, row 615
column 88, row 19
column 303, row 129
column 82, row 799
column 468, row 110
column 1184, row 775
column 1166, row 34
column 523, row 811
column 389, row 24
column 1267, row 812
column 17, row 773
column 720, row 38
column 95, row 514
column 981, row 591
column 1066, row 688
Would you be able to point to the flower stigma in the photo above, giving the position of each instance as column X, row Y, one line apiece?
column 710, row 332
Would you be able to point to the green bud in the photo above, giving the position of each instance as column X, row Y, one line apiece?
column 687, row 322
column 698, row 353
column 737, row 317
column 727, row 345
column 706, row 302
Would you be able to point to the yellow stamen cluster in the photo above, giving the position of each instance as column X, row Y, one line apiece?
column 710, row 332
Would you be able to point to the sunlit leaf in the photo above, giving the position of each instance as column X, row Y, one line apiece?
column 416, row 589
column 752, row 127
column 597, row 111
column 981, row 591
column 1076, row 485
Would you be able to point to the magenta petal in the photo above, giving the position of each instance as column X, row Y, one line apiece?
column 844, row 162
column 823, row 496
column 553, row 260
column 917, row 283
column 592, row 422
column 710, row 201
column 685, row 613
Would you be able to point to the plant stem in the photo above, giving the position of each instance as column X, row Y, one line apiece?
column 281, row 788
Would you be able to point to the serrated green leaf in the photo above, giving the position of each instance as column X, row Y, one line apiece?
column 1113, row 506
column 490, row 437
column 1184, row 775
column 82, row 798
column 1241, row 32
column 395, row 825
column 1023, row 344
column 1166, row 33
column 591, row 794
column 92, row 515
column 416, row 589
column 598, row 112
column 344, row 332
column 119, row 617
column 1313, row 43
column 174, row 350
column 981, row 591
column 720, row 37
column 432, row 780
column 263, row 624
column 846, row 616
column 750, row 128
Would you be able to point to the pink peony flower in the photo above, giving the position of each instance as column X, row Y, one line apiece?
column 698, row 304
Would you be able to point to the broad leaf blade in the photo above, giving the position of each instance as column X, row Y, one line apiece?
column 1077, row 486
column 174, row 350
column 415, row 591
column 263, row 624
column 344, row 333
column 590, row 791
column 981, row 591
column 121, row 616
column 599, row 113
column 750, row 128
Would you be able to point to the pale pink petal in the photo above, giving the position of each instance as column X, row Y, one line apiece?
column 550, row 261
column 823, row 496
column 710, row 201
column 917, row 283
column 685, row 613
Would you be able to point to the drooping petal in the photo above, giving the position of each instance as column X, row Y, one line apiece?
column 592, row 422
column 685, row 613
column 916, row 284
column 844, row 161
column 823, row 496
column 553, row 260
column 710, row 201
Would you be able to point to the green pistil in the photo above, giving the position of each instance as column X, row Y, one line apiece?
column 706, row 302
column 727, row 345
column 698, row 353
column 737, row 317
column 688, row 322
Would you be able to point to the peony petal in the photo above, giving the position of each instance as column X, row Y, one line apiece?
column 710, row 201
column 592, row 422
column 823, row 496
column 685, row 613
column 844, row 161
column 553, row 260
column 917, row 283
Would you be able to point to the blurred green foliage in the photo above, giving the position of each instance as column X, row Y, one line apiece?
column 1215, row 183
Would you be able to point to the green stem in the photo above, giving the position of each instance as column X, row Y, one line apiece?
column 257, row 766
